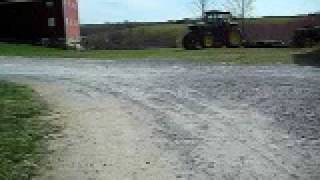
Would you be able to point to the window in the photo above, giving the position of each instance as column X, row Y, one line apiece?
column 49, row 3
column 51, row 22
column 67, row 21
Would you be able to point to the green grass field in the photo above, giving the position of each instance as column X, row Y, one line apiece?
column 21, row 131
column 232, row 56
column 175, row 30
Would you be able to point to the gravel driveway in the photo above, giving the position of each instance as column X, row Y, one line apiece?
column 158, row 119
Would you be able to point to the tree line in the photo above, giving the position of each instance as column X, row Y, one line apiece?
column 239, row 8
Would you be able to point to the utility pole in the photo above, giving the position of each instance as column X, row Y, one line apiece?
column 203, row 8
column 243, row 17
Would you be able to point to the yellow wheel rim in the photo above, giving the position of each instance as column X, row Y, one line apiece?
column 235, row 38
column 208, row 41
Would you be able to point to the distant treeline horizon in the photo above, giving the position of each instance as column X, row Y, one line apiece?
column 187, row 20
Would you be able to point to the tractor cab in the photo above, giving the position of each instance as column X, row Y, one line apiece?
column 217, row 17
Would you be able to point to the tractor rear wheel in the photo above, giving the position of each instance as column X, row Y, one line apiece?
column 191, row 42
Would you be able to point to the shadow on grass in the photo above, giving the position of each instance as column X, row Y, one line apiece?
column 311, row 58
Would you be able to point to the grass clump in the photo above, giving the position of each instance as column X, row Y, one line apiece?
column 21, row 131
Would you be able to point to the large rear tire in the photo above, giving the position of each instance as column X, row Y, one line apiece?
column 191, row 42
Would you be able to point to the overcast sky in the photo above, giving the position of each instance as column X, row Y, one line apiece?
column 100, row 11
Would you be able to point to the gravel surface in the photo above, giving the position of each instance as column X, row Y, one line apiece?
column 179, row 119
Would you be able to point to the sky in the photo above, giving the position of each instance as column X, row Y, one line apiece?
column 101, row 11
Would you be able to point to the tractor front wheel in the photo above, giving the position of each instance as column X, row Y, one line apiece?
column 191, row 42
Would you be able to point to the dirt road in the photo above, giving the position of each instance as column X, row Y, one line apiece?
column 152, row 119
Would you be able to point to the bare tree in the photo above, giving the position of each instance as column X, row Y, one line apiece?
column 202, row 5
column 240, row 8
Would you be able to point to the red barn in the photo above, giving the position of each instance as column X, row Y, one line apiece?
column 47, row 21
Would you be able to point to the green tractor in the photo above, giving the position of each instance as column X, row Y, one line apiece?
column 216, row 31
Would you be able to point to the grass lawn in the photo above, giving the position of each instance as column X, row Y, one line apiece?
column 232, row 56
column 21, row 131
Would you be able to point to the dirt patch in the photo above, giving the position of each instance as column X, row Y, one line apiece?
column 99, row 140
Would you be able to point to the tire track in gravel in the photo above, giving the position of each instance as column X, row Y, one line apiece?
column 174, row 132
column 184, row 137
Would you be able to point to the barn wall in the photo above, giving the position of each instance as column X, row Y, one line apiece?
column 72, row 28
column 51, row 21
column 55, row 12
column 21, row 21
